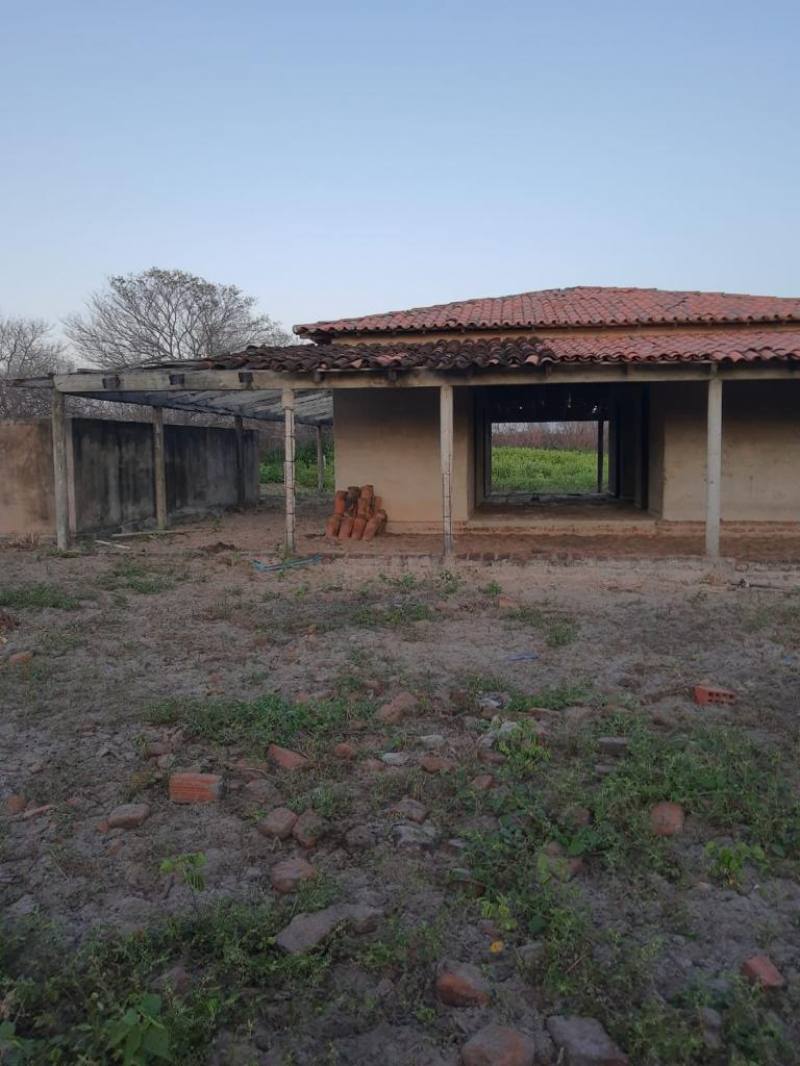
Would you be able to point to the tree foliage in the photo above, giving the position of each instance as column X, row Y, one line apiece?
column 27, row 350
column 167, row 315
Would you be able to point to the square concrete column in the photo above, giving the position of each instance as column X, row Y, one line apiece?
column 713, row 467
column 446, row 455
column 159, row 468
column 287, row 398
column 60, row 486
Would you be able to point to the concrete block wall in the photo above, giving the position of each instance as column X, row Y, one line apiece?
column 111, row 468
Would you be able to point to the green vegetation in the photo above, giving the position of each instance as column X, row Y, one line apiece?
column 126, row 575
column 99, row 1005
column 305, row 470
column 37, row 596
column 543, row 470
column 268, row 720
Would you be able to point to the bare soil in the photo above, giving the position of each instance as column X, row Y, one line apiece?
column 578, row 645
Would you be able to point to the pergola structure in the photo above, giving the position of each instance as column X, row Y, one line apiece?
column 177, row 386
column 295, row 384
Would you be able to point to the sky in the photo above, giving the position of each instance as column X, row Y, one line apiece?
column 341, row 158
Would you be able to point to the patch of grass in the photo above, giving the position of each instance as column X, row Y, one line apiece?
column 558, row 629
column 37, row 597
column 126, row 575
column 267, row 720
column 64, row 1007
column 397, row 615
column 543, row 470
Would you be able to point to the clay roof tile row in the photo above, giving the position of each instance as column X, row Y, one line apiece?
column 582, row 306
column 717, row 346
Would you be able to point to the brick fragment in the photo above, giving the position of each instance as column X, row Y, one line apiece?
column 195, row 788
column 707, row 693
column 287, row 759
column 20, row 658
column 435, row 764
column 459, row 984
column 344, row 751
column 497, row 1045
column 287, row 876
column 761, row 970
column 14, row 804
column 279, row 823
column 308, row 828
column 666, row 819
column 128, row 816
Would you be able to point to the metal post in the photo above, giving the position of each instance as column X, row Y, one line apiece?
column 287, row 397
column 320, row 461
column 600, row 428
column 446, row 455
column 60, row 490
column 159, row 468
column 713, row 467
column 241, row 493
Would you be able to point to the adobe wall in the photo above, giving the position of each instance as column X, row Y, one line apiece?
column 26, row 478
column 760, row 450
column 389, row 438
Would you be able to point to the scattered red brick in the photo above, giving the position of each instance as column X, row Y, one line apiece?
column 34, row 812
column 498, row 1046
column 344, row 750
column 286, row 759
column 278, row 823
column 666, row 819
column 308, row 828
column 706, row 693
column 506, row 603
column 761, row 970
column 491, row 757
column 286, row 876
column 195, row 788
column 128, row 816
column 397, row 708
column 435, row 764
column 14, row 804
column 373, row 766
column 458, row 984
column 20, row 658
column 483, row 782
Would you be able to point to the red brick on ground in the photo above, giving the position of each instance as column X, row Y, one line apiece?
column 459, row 984
column 286, row 759
column 286, row 876
column 666, row 819
column 195, row 788
column 761, row 970
column 497, row 1045
column 278, row 823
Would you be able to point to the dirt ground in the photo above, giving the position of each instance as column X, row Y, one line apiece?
column 546, row 876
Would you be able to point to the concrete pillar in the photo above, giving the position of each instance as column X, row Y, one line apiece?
column 159, row 468
column 60, row 489
column 446, row 456
column 320, row 461
column 713, row 467
column 241, row 494
column 288, row 466
column 600, row 429
column 613, row 451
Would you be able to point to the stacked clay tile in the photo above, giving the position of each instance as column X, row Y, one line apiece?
column 357, row 514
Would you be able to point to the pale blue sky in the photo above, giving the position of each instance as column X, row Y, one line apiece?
column 337, row 158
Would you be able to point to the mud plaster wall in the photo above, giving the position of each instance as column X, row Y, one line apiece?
column 113, row 473
column 760, row 450
column 390, row 439
column 26, row 478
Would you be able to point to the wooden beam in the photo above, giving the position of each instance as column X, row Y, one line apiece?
column 446, row 456
column 241, row 489
column 600, row 426
column 713, row 467
column 159, row 469
column 60, row 485
column 287, row 400
column 320, row 461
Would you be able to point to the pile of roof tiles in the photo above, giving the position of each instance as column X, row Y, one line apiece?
column 357, row 514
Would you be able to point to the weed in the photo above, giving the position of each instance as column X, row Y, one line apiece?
column 139, row 1035
column 126, row 575
column 728, row 860
column 37, row 597
column 188, row 867
column 492, row 589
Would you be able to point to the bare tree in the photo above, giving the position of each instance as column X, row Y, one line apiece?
column 166, row 315
column 27, row 350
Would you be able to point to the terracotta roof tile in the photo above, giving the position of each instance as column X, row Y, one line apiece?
column 671, row 346
column 580, row 306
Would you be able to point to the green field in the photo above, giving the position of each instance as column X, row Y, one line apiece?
column 305, row 470
column 543, row 470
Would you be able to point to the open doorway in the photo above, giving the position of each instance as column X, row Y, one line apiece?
column 545, row 459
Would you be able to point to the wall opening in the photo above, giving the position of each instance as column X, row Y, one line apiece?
column 536, row 459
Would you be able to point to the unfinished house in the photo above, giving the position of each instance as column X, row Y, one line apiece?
column 695, row 397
